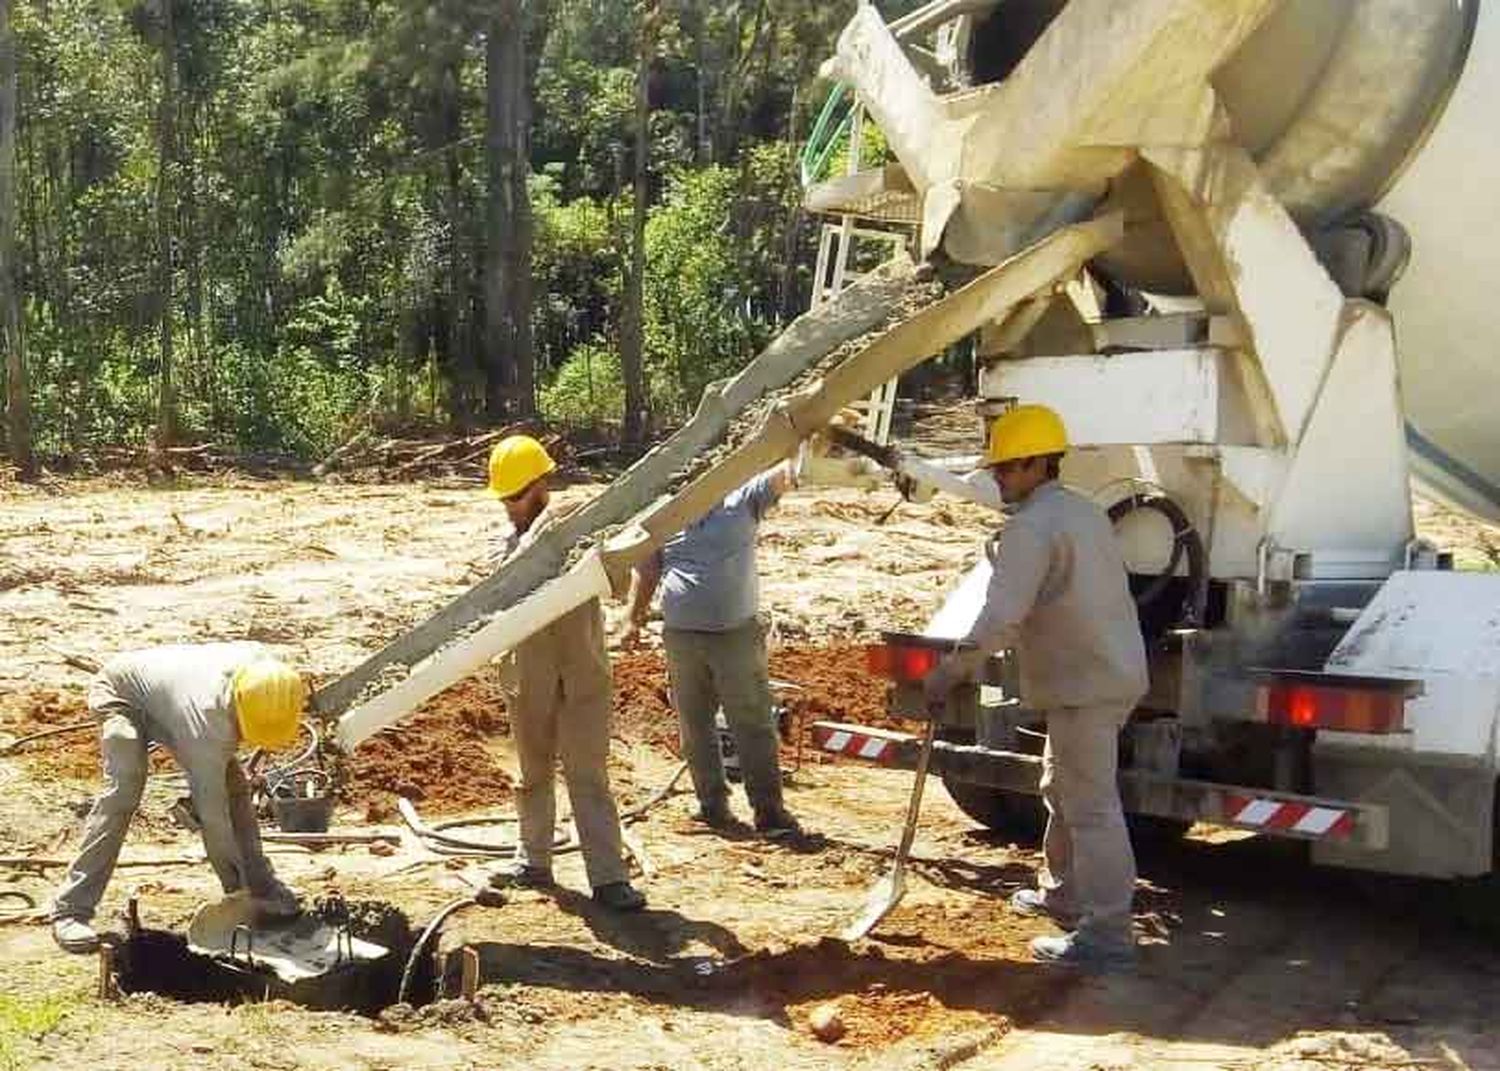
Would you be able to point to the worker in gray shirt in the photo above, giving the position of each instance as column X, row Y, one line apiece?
column 1060, row 597
column 200, row 702
column 716, row 649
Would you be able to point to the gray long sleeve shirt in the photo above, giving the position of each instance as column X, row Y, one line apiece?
column 1060, row 597
column 182, row 698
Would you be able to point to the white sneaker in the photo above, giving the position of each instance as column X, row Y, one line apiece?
column 75, row 935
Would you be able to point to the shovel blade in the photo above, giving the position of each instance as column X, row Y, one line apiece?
column 882, row 899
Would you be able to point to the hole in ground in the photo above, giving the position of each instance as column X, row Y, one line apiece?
column 160, row 961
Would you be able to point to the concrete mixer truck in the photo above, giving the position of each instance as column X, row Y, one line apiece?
column 1245, row 248
column 1293, row 328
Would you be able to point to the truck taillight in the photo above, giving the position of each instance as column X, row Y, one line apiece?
column 906, row 665
column 1302, row 705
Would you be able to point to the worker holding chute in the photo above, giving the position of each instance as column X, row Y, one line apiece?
column 557, row 687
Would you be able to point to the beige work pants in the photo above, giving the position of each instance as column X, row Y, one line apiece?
column 1090, row 868
column 557, row 688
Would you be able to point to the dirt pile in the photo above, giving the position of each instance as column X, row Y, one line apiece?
column 830, row 684
column 73, row 755
column 439, row 758
column 643, row 704
column 442, row 756
column 934, row 972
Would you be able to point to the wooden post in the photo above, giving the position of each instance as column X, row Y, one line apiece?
column 109, row 988
column 470, row 983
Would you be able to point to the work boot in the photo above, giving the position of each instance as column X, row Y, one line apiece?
column 1033, row 904
column 620, row 896
column 777, row 824
column 519, row 875
column 1077, row 949
column 716, row 816
column 75, row 935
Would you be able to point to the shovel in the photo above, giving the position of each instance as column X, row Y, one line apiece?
column 886, row 893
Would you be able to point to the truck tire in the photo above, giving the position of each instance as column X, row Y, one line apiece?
column 1015, row 815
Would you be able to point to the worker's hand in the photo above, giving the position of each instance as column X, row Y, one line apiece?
column 630, row 639
column 819, row 445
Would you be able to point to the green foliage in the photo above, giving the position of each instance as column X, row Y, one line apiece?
column 329, row 208
column 588, row 390
column 700, row 323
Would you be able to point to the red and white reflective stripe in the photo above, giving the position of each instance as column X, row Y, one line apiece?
column 857, row 745
column 1288, row 816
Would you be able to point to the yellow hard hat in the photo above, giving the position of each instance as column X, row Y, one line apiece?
column 516, row 462
column 1026, row 431
column 268, row 700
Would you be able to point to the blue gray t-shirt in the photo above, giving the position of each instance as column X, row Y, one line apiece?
column 708, row 576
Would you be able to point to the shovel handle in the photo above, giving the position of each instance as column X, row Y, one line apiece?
column 914, row 808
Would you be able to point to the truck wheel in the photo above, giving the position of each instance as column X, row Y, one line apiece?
column 1016, row 815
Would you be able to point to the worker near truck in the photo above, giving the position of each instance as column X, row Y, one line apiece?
column 1059, row 596
column 557, row 686
column 201, row 702
column 715, row 641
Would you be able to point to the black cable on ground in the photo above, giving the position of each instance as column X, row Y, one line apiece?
column 483, row 898
column 25, row 911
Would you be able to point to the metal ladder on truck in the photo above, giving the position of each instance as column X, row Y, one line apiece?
column 842, row 121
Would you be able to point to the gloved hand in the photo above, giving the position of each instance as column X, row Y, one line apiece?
column 819, row 444
column 958, row 668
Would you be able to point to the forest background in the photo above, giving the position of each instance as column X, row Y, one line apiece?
column 266, row 224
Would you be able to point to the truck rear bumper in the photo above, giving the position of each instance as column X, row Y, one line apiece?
column 1355, row 826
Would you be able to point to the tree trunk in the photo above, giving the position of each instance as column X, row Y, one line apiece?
column 166, row 419
column 633, row 328
column 456, row 359
column 18, row 392
column 504, row 75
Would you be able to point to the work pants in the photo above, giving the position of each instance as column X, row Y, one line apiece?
column 710, row 670
column 1090, row 868
column 557, row 687
column 123, row 751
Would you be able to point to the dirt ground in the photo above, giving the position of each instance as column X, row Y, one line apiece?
column 1253, row 960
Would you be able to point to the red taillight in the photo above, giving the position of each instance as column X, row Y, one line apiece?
column 1323, row 706
column 906, row 665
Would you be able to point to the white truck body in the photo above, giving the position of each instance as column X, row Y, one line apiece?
column 1285, row 414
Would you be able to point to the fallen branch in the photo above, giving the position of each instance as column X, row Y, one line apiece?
column 15, row 745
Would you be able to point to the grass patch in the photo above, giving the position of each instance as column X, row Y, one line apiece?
column 24, row 1021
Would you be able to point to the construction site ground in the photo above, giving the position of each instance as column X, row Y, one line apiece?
column 1251, row 959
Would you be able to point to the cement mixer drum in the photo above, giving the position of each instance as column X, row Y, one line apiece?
column 1350, row 106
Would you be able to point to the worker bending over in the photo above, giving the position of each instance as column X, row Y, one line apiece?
column 716, row 649
column 1059, row 596
column 200, row 702
column 557, row 686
